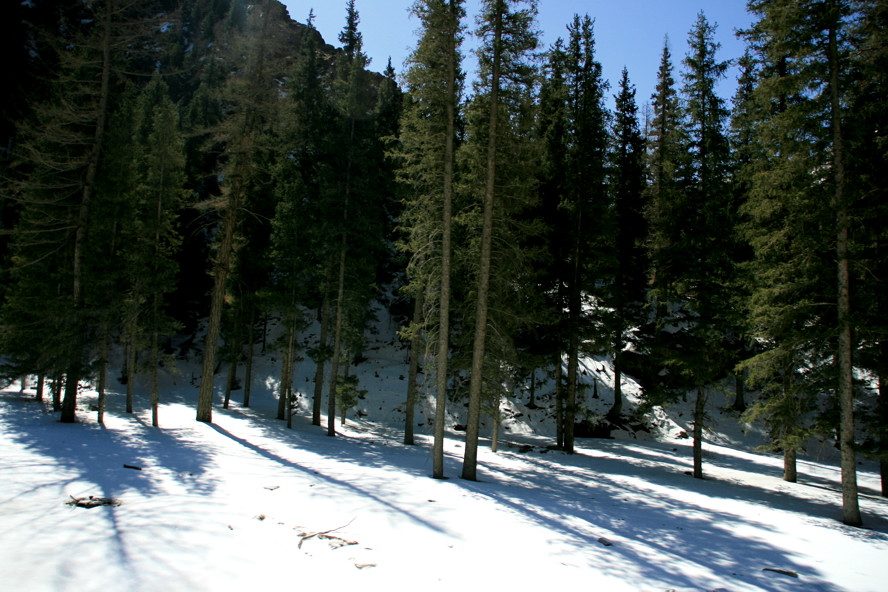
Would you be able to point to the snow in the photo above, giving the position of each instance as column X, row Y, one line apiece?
column 245, row 503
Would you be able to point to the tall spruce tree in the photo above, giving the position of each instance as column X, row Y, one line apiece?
column 428, row 147
column 553, row 141
column 251, row 99
column 359, row 211
column 149, row 238
column 585, row 200
column 304, row 185
column 626, row 292
column 693, row 244
column 867, row 128
column 499, row 132
column 803, row 47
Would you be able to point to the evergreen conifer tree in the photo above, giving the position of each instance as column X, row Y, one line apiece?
column 801, row 195
column 626, row 294
column 428, row 146
column 499, row 131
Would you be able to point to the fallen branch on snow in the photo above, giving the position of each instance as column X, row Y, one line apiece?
column 785, row 572
column 93, row 502
column 325, row 534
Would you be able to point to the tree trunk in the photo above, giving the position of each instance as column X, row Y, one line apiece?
column 41, row 379
column 248, row 363
column 103, row 371
column 57, row 393
column 573, row 348
column 220, row 281
column 155, row 363
column 570, row 411
column 850, row 505
column 559, row 405
column 616, row 409
column 699, row 420
column 130, row 373
column 321, row 361
column 286, row 371
column 232, row 375
column 230, row 380
column 496, row 418
column 415, row 349
column 337, row 338
column 740, row 392
column 883, row 418
column 789, row 464
column 76, row 365
column 883, row 439
column 442, row 358
column 470, row 458
column 533, row 383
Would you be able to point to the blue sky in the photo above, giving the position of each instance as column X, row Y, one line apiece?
column 628, row 33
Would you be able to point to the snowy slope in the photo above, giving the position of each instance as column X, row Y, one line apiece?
column 245, row 502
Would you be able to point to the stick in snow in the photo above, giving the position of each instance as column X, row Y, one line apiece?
column 785, row 572
column 314, row 534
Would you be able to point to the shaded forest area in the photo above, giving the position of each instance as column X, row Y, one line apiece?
column 187, row 168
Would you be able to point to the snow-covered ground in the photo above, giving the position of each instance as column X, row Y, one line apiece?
column 246, row 504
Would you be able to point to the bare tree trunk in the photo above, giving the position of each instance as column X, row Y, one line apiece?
column 232, row 376
column 286, row 371
column 790, row 472
column 103, row 371
column 57, row 393
column 130, row 373
column 883, row 415
column 470, row 457
column 699, row 420
column 850, row 504
column 740, row 392
column 337, row 338
column 496, row 418
column 616, row 409
column 38, row 395
column 415, row 351
column 220, row 281
column 573, row 348
column 321, row 361
column 155, row 363
column 570, row 411
column 559, row 405
column 248, row 364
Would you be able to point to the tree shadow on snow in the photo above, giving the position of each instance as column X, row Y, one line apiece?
column 104, row 462
column 586, row 497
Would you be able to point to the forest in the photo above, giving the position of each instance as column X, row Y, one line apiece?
column 175, row 173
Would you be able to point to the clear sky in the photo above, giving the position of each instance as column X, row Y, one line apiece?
column 628, row 33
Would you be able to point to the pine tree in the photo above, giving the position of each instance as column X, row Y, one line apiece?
column 149, row 238
column 252, row 98
column 867, row 125
column 62, row 160
column 501, row 101
column 359, row 209
column 802, row 47
column 553, row 140
column 428, row 145
column 626, row 295
column 585, row 201
column 693, row 233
